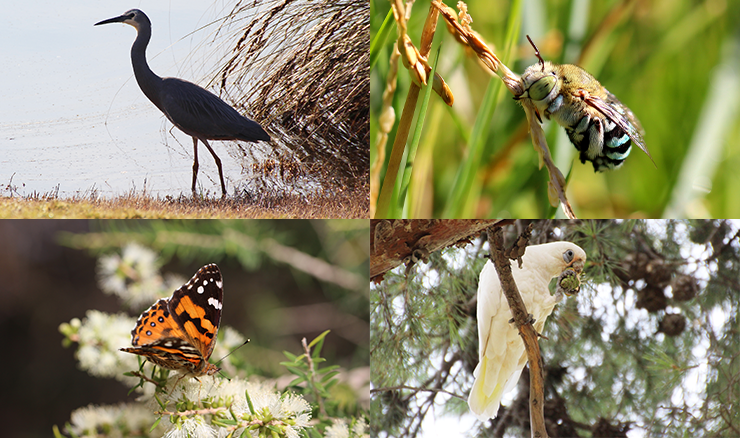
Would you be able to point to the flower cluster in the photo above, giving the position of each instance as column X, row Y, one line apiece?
column 99, row 336
column 134, row 276
column 343, row 428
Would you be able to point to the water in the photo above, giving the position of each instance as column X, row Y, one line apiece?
column 71, row 114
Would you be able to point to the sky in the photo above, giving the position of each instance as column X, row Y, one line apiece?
column 72, row 117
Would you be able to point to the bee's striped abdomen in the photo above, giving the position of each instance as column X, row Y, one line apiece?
column 603, row 143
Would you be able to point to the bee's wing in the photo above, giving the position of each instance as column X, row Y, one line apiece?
column 622, row 116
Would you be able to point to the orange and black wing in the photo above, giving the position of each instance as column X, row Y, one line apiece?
column 180, row 332
column 196, row 307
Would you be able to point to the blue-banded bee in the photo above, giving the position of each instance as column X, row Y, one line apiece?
column 600, row 126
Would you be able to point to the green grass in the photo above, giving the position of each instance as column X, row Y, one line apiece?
column 668, row 62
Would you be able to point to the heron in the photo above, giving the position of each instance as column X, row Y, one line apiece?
column 194, row 110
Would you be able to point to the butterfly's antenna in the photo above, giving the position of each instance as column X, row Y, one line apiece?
column 229, row 354
column 221, row 360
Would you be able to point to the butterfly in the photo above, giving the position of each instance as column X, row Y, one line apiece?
column 179, row 333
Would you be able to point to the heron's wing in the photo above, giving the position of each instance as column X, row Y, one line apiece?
column 200, row 113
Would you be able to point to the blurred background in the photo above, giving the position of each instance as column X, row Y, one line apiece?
column 283, row 280
column 673, row 63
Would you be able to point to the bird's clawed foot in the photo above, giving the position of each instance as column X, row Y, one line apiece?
column 530, row 319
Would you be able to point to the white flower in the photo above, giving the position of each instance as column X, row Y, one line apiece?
column 100, row 337
column 133, row 276
column 120, row 420
column 138, row 417
column 264, row 398
column 337, row 430
column 268, row 405
column 230, row 388
column 293, row 404
column 289, row 406
column 361, row 428
column 341, row 429
column 191, row 427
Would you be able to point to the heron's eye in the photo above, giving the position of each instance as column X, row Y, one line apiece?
column 568, row 256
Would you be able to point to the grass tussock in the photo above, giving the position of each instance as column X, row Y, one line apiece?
column 302, row 70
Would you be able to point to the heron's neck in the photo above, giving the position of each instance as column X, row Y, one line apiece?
column 148, row 81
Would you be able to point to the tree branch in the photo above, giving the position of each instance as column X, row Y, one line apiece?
column 394, row 241
column 523, row 322
column 413, row 388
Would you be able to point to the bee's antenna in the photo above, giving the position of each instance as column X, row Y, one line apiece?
column 537, row 53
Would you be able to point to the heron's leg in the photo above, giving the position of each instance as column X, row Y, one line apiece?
column 218, row 164
column 195, row 162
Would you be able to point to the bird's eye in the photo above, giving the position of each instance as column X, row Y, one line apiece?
column 568, row 256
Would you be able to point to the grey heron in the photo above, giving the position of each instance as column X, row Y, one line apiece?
column 194, row 110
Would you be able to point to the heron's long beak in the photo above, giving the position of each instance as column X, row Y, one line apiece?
column 119, row 19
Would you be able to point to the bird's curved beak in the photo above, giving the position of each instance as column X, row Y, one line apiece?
column 577, row 265
column 119, row 19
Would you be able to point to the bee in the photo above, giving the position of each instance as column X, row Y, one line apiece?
column 600, row 126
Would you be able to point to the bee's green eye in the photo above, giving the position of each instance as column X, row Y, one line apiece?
column 540, row 89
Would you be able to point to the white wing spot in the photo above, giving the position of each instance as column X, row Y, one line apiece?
column 215, row 303
column 200, row 289
column 220, row 284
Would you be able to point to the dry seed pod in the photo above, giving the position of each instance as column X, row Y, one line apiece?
column 651, row 298
column 672, row 324
column 658, row 273
column 684, row 287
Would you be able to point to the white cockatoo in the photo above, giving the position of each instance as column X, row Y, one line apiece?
column 501, row 349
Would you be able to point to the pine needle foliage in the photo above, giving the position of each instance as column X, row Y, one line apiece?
column 649, row 344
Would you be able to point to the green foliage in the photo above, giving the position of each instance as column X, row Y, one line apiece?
column 320, row 384
column 606, row 355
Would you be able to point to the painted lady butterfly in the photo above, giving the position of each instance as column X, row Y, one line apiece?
column 179, row 333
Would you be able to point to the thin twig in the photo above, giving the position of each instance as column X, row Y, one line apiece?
column 194, row 412
column 394, row 388
column 312, row 375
